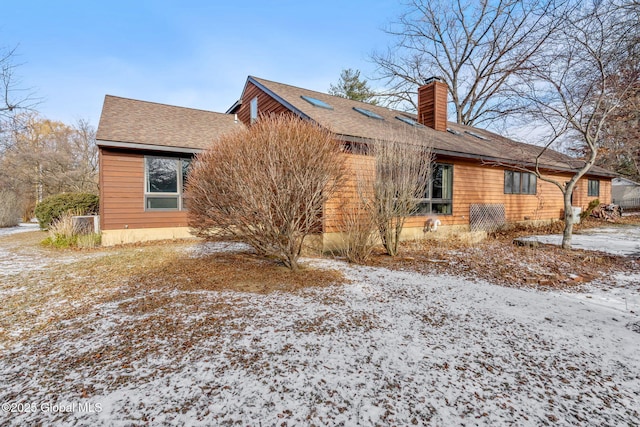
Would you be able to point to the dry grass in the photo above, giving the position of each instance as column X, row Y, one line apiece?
column 241, row 272
column 67, row 285
column 60, row 285
column 497, row 260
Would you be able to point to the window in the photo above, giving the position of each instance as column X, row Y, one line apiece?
column 316, row 102
column 165, row 178
column 594, row 188
column 368, row 113
column 409, row 121
column 254, row 109
column 520, row 183
column 439, row 194
column 476, row 135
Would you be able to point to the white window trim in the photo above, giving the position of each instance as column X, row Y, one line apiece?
column 253, row 110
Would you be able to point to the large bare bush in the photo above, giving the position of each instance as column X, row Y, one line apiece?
column 266, row 186
column 403, row 163
column 358, row 231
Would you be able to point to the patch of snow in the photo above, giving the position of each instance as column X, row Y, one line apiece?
column 12, row 263
column 203, row 249
column 621, row 292
column 624, row 240
column 26, row 226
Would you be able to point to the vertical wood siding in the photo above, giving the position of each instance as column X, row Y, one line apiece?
column 432, row 105
column 266, row 104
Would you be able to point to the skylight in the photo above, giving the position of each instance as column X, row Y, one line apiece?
column 453, row 131
column 409, row 121
column 316, row 102
column 368, row 113
column 468, row 132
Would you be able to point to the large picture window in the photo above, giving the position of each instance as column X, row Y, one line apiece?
column 439, row 194
column 594, row 188
column 520, row 182
column 165, row 178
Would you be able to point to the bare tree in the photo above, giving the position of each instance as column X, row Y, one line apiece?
column 84, row 152
column 10, row 208
column 620, row 142
column 266, row 186
column 577, row 87
column 13, row 97
column 40, row 157
column 475, row 46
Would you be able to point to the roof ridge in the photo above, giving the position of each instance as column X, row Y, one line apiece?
column 328, row 94
column 166, row 105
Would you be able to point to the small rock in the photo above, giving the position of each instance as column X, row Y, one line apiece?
column 526, row 243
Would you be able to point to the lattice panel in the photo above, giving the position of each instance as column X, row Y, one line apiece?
column 486, row 217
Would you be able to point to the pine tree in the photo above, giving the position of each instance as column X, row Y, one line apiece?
column 350, row 86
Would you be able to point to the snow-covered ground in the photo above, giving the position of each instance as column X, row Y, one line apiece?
column 620, row 240
column 27, row 226
column 14, row 259
column 388, row 348
column 621, row 292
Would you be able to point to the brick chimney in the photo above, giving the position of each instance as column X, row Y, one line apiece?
column 432, row 104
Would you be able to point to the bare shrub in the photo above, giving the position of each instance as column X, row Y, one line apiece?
column 266, row 186
column 10, row 208
column 359, row 232
column 403, row 164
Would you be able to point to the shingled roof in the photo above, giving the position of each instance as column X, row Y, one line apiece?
column 129, row 122
column 459, row 141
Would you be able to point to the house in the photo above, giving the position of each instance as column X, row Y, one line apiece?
column 145, row 149
column 144, row 152
column 625, row 193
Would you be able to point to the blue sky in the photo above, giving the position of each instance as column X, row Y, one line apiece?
column 189, row 53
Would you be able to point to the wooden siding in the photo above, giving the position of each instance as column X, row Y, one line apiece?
column 581, row 193
column 473, row 183
column 266, row 104
column 122, row 194
column 345, row 201
column 432, row 105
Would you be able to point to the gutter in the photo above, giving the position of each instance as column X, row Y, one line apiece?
column 146, row 147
